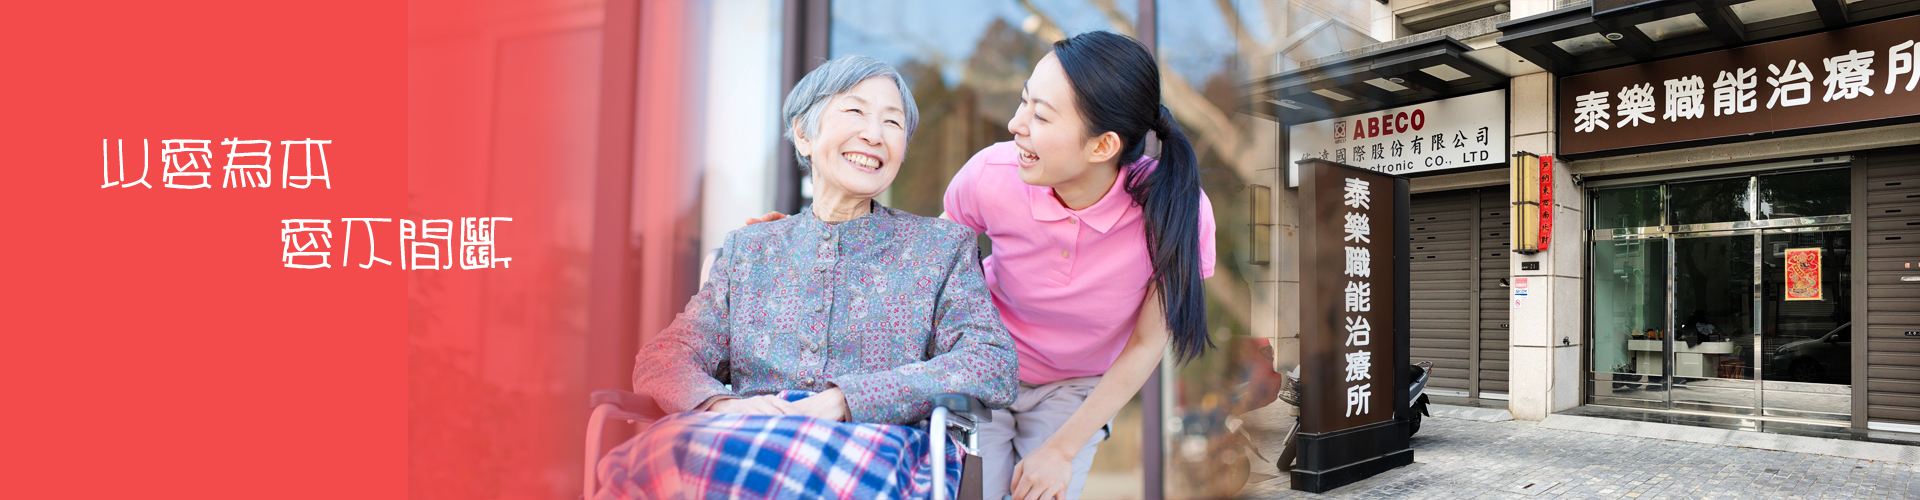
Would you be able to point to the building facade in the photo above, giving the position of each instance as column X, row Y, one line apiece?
column 1731, row 203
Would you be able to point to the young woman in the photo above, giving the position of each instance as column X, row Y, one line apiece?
column 1098, row 253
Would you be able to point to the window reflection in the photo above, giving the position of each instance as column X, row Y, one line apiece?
column 1711, row 201
column 1805, row 194
column 1713, row 308
column 1626, row 207
column 1809, row 338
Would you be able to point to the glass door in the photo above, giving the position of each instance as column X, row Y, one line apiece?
column 1709, row 354
column 1727, row 295
column 1806, row 324
column 1629, row 312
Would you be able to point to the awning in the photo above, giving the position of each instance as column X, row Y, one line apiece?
column 1611, row 33
column 1415, row 72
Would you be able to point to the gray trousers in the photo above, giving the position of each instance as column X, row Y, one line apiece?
column 1019, row 429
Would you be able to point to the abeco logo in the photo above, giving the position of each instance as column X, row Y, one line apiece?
column 1385, row 124
column 1339, row 131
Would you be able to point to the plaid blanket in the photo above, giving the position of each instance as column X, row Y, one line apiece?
column 716, row 455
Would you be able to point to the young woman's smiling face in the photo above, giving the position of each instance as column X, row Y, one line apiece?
column 862, row 137
column 1054, row 146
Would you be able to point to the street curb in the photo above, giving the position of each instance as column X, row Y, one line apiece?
column 1743, row 439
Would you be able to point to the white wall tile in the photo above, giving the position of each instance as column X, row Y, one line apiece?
column 1526, row 384
column 1266, row 308
column 1532, row 318
column 1565, row 393
column 1531, row 98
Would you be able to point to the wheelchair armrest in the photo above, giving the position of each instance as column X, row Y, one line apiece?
column 627, row 402
column 964, row 406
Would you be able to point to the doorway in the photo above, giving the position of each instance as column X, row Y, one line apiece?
column 1729, row 296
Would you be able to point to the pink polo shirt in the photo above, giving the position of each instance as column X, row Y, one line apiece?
column 1068, row 283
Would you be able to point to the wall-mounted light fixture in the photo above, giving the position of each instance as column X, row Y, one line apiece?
column 1259, row 224
column 1531, row 189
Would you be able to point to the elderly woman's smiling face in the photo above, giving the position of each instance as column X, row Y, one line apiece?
column 862, row 138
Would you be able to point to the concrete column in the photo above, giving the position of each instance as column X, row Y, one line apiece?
column 1286, row 273
column 1276, row 291
column 1548, row 324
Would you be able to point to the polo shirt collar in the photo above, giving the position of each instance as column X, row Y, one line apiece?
column 1101, row 216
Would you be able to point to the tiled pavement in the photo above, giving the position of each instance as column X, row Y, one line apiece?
column 1455, row 458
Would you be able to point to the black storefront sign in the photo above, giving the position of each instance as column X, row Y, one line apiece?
column 1353, row 325
column 1863, row 74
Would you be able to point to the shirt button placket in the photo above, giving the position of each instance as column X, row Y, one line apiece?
column 826, row 259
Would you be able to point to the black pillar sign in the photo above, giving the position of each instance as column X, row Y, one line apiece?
column 1353, row 325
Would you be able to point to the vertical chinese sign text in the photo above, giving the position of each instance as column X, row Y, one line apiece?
column 1353, row 331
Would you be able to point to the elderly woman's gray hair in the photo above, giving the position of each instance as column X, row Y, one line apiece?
column 809, row 97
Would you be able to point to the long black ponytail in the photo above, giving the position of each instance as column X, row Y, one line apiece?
column 1116, row 85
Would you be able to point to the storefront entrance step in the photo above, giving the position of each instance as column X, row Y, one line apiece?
column 1737, row 438
column 1470, row 413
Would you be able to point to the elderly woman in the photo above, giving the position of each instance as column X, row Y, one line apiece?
column 818, row 339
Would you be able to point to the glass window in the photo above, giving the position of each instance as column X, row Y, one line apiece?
column 1710, row 201
column 1626, row 207
column 1807, row 335
column 1713, row 307
column 1806, row 194
column 1629, row 318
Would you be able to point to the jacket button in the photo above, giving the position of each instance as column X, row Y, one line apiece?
column 808, row 381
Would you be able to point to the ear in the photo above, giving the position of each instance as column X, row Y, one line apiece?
column 800, row 142
column 1106, row 147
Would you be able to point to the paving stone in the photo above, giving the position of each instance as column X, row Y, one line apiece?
column 1458, row 458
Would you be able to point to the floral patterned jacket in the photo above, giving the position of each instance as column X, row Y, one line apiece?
column 890, row 307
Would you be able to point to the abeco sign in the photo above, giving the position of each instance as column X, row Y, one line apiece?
column 1400, row 122
column 1461, row 132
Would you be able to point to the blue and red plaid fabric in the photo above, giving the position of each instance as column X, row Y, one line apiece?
column 718, row 455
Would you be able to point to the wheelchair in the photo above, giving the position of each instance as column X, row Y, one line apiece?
column 958, row 414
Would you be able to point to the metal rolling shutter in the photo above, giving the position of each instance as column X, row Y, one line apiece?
column 1892, row 307
column 1440, row 312
column 1459, row 309
column 1495, row 248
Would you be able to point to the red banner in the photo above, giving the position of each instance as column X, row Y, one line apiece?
column 1546, row 201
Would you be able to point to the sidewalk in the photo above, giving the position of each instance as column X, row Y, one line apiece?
column 1459, row 458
